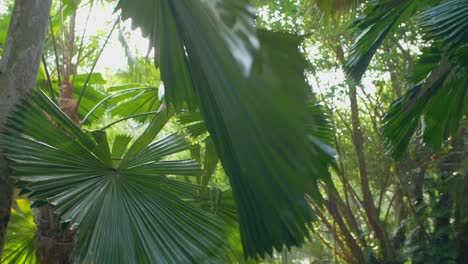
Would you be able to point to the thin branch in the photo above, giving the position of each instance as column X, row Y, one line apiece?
column 49, row 81
column 336, row 237
column 94, row 65
column 384, row 184
column 389, row 207
column 54, row 45
column 128, row 117
column 80, row 48
column 110, row 97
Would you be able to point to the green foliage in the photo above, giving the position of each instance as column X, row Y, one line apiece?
column 130, row 212
column 4, row 23
column 21, row 238
column 437, row 82
column 379, row 19
column 240, row 95
column 447, row 24
column 133, row 99
column 251, row 92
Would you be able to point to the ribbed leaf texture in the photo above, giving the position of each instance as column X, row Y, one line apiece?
column 252, row 93
column 379, row 18
column 437, row 103
column 447, row 23
column 434, row 107
column 20, row 245
column 124, row 212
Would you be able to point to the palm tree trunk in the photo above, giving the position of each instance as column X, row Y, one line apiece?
column 18, row 73
column 54, row 245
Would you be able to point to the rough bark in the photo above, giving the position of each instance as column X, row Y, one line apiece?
column 54, row 245
column 18, row 73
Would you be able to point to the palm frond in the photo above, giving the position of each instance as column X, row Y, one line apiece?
column 20, row 245
column 222, row 204
column 447, row 23
column 378, row 20
column 124, row 212
column 133, row 101
column 251, row 88
column 194, row 125
column 435, row 107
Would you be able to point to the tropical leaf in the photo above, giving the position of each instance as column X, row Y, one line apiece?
column 130, row 100
column 379, row 18
column 125, row 212
column 251, row 88
column 223, row 205
column 445, row 110
column 427, row 61
column 331, row 10
column 435, row 107
column 20, row 245
column 447, row 23
column 135, row 101
column 194, row 125
column 92, row 96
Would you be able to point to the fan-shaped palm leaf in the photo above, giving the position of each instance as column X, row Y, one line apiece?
column 124, row 212
column 251, row 89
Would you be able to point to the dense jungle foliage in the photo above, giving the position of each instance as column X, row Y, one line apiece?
column 233, row 131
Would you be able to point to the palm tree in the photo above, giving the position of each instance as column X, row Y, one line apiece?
column 439, row 78
column 433, row 109
column 250, row 89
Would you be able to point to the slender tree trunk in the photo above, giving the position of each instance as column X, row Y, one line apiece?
column 447, row 166
column 358, row 140
column 400, row 213
column 54, row 245
column 18, row 73
column 368, row 200
column 350, row 241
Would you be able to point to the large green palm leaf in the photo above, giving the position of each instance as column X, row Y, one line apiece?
column 125, row 212
column 252, row 93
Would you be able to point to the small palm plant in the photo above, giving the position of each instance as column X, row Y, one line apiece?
column 119, row 195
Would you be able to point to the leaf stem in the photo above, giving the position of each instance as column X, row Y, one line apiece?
column 128, row 117
column 94, row 65
column 110, row 97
